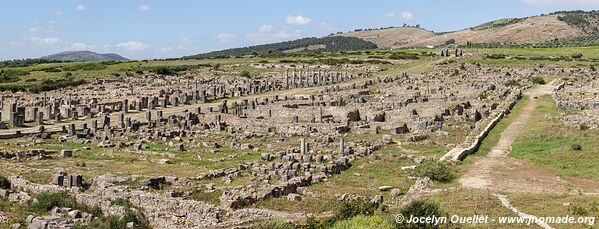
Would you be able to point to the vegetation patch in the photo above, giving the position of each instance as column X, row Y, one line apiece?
column 46, row 201
column 435, row 170
column 4, row 183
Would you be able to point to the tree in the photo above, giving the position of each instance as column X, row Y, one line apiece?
column 450, row 41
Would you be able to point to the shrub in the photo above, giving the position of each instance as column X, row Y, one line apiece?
column 512, row 83
column 403, row 56
column 46, row 201
column 538, row 80
column 116, row 222
column 576, row 146
column 49, row 85
column 121, row 202
column 245, row 74
column 4, row 183
column 422, row 208
column 353, row 208
column 576, row 55
column 364, row 222
column 208, row 197
column 435, row 170
column 577, row 210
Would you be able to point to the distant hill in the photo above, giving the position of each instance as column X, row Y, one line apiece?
column 83, row 56
column 563, row 28
column 304, row 44
column 558, row 25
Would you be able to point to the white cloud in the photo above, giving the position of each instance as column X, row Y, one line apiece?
column 133, row 46
column 298, row 20
column 389, row 15
column 281, row 35
column 144, row 8
column 58, row 13
column 406, row 15
column 79, row 46
column 45, row 41
column 48, row 27
column 562, row 2
column 81, row 8
column 266, row 28
column 226, row 38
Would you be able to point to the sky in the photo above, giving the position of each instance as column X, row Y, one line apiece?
column 147, row 29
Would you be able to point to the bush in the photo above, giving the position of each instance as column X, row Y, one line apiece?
column 208, row 197
column 577, row 55
column 245, row 74
column 422, row 208
column 538, row 80
column 353, row 208
column 121, row 202
column 403, row 56
column 512, row 83
column 435, row 170
column 50, row 85
column 116, row 222
column 576, row 147
column 577, row 210
column 46, row 201
column 4, row 183
column 364, row 222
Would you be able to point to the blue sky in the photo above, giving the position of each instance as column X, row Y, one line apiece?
column 172, row 28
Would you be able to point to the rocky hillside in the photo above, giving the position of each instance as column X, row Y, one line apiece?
column 81, row 56
column 559, row 25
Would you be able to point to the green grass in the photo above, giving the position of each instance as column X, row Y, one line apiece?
column 365, row 222
column 15, row 212
column 314, row 205
column 468, row 202
column 547, row 204
column 587, row 52
column 546, row 141
column 368, row 173
column 493, row 137
column 208, row 197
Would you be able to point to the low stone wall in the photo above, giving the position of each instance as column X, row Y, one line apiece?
column 558, row 102
column 459, row 153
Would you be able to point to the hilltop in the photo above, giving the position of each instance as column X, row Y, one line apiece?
column 331, row 44
column 559, row 25
column 83, row 56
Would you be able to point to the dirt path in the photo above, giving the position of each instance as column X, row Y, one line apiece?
column 497, row 172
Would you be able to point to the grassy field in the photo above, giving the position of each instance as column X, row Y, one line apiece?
column 557, row 205
column 37, row 74
column 587, row 52
column 548, row 142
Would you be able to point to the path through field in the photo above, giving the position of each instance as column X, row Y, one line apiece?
column 497, row 172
